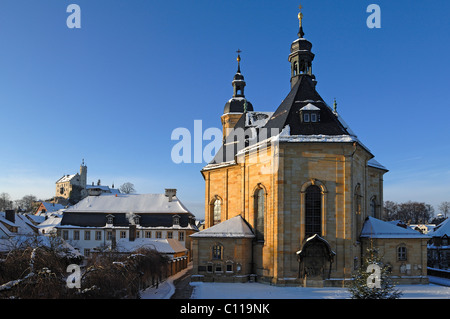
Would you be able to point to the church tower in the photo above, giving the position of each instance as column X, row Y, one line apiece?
column 238, row 104
column 301, row 56
column 291, row 208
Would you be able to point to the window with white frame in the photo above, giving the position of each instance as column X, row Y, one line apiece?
column 98, row 235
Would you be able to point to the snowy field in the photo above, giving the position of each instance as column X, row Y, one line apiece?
column 438, row 289
column 262, row 291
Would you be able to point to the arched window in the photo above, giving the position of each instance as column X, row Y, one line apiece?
column 313, row 211
column 358, row 206
column 295, row 68
column 259, row 213
column 217, row 252
column 217, row 211
column 373, row 207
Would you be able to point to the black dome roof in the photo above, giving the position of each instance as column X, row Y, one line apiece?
column 236, row 105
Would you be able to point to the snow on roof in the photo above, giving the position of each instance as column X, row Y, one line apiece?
column 235, row 227
column 257, row 119
column 317, row 138
column 125, row 203
column 23, row 224
column 310, row 107
column 376, row 228
column 373, row 163
column 66, row 178
column 164, row 246
column 441, row 229
column 52, row 207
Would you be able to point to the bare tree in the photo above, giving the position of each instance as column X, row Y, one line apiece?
column 127, row 188
column 26, row 203
column 5, row 202
column 444, row 208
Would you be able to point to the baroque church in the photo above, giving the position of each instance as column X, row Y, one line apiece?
column 293, row 197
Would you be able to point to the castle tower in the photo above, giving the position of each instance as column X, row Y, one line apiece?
column 238, row 104
column 83, row 178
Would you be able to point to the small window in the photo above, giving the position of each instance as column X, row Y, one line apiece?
column 148, row 234
column 87, row 253
column 109, row 235
column 76, row 235
column 158, row 234
column 176, row 220
column 169, row 234
column 313, row 117
column 229, row 267
column 181, row 236
column 98, row 235
column 209, row 268
column 87, row 235
column 123, row 234
column 218, row 268
column 65, row 234
column 401, row 253
column 306, row 117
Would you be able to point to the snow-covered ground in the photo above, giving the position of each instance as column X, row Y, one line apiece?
column 262, row 291
column 439, row 288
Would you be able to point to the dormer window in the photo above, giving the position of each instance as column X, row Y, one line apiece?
column 110, row 219
column 310, row 114
column 176, row 220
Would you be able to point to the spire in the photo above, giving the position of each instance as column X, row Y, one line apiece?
column 301, row 56
column 238, row 103
column 300, row 19
column 239, row 60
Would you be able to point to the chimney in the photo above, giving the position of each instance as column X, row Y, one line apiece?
column 10, row 215
column 171, row 192
column 132, row 234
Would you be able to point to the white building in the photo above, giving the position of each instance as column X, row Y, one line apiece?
column 106, row 221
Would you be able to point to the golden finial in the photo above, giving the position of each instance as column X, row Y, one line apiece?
column 300, row 15
column 239, row 60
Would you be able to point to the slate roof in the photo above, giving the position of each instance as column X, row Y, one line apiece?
column 376, row 228
column 235, row 227
column 302, row 94
column 154, row 210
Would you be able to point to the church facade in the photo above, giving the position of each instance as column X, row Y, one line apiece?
column 287, row 195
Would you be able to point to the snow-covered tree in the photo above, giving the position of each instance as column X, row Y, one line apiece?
column 372, row 280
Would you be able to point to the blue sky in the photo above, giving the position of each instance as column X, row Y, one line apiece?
column 113, row 91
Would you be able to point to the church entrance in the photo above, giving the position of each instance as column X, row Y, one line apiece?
column 315, row 259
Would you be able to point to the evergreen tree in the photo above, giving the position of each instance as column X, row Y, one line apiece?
column 372, row 280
